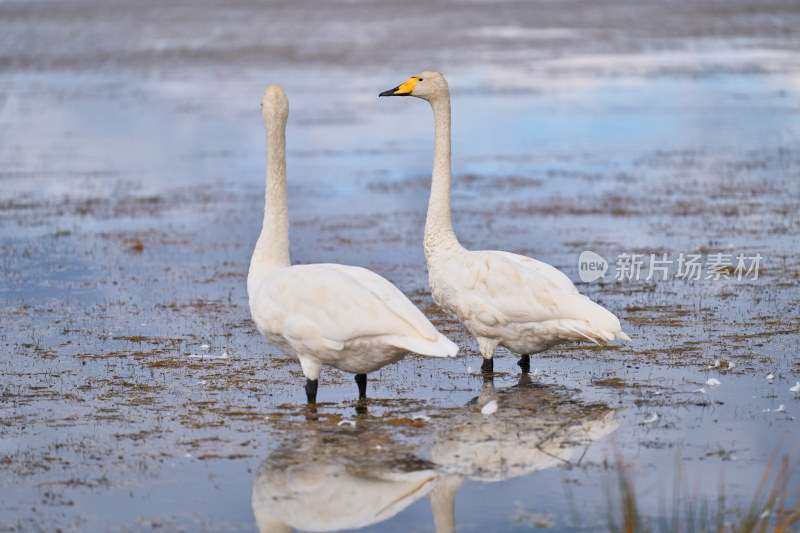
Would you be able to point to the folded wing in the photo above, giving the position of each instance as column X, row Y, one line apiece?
column 328, row 305
column 488, row 289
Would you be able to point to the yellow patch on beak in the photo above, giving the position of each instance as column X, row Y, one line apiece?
column 407, row 87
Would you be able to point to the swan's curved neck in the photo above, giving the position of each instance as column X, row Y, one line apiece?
column 443, row 504
column 439, row 236
column 272, row 247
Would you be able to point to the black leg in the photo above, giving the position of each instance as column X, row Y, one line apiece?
column 487, row 367
column 361, row 381
column 311, row 390
column 525, row 363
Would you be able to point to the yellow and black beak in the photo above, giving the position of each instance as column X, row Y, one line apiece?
column 402, row 90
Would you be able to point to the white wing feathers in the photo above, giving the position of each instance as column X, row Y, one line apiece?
column 325, row 305
column 491, row 288
column 392, row 298
column 548, row 273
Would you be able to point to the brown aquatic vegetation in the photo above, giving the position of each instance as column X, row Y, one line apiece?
column 775, row 505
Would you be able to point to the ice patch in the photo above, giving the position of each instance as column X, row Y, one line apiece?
column 490, row 408
column 345, row 422
column 796, row 388
column 712, row 382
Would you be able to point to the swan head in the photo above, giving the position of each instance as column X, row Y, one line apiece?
column 274, row 105
column 428, row 85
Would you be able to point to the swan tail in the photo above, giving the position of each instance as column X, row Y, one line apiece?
column 443, row 347
column 600, row 336
column 600, row 324
column 586, row 331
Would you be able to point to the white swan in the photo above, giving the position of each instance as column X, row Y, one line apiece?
column 343, row 316
column 503, row 299
column 534, row 428
column 323, row 495
column 328, row 481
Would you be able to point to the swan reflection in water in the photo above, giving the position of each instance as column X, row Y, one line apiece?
column 327, row 480
column 534, row 427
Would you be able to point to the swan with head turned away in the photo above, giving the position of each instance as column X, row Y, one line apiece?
column 325, row 314
column 503, row 299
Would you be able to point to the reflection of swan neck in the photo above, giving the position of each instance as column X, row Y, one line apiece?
column 272, row 248
column 439, row 235
column 443, row 504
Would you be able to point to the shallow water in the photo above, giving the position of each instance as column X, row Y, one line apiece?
column 132, row 182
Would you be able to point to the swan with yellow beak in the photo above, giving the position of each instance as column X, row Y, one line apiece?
column 503, row 299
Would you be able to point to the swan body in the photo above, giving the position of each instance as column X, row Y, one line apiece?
column 525, row 305
column 325, row 314
column 517, row 440
column 514, row 441
column 318, row 488
column 503, row 299
column 325, row 479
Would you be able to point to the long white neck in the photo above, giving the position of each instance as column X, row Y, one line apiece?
column 440, row 240
column 443, row 504
column 272, row 247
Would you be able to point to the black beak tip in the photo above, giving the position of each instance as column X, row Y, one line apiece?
column 390, row 92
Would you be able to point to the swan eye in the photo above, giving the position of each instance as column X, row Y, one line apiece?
column 420, row 79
